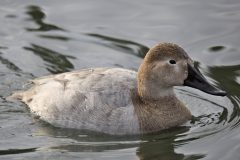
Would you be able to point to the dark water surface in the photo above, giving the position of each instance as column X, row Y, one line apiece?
column 46, row 37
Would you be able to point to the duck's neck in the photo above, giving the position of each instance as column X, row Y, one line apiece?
column 151, row 91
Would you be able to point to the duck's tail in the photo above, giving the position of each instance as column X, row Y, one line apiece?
column 18, row 95
column 22, row 94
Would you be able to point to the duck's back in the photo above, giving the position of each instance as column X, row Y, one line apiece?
column 94, row 99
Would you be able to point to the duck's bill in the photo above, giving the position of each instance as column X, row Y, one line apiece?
column 196, row 80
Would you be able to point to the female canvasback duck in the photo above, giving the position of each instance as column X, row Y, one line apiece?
column 119, row 101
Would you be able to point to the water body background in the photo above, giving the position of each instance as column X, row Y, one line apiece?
column 46, row 37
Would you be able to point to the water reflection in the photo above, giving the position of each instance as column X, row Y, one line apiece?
column 17, row 151
column 163, row 150
column 122, row 45
column 1, row 47
column 226, row 76
column 38, row 16
column 56, row 37
column 163, row 145
column 216, row 48
column 56, row 62
column 159, row 146
column 9, row 64
column 11, row 16
column 211, row 118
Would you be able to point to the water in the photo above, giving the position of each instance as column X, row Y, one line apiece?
column 46, row 37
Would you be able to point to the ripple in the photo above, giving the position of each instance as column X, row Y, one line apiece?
column 216, row 48
column 37, row 15
column 9, row 64
column 125, row 46
column 56, row 61
column 17, row 151
column 56, row 37
column 11, row 16
column 2, row 47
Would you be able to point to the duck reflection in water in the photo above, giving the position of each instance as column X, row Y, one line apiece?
column 160, row 146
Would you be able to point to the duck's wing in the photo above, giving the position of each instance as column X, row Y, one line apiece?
column 85, row 96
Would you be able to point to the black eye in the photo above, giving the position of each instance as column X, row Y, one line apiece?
column 172, row 61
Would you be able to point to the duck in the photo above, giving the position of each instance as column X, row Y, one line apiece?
column 119, row 101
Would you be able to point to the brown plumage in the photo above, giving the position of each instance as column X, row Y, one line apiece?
column 166, row 112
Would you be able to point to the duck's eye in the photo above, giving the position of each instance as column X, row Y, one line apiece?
column 172, row 61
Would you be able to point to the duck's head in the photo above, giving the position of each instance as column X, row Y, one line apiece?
column 167, row 65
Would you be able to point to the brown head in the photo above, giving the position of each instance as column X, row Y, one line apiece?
column 167, row 65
